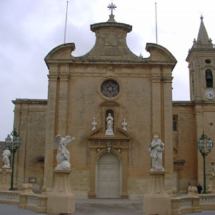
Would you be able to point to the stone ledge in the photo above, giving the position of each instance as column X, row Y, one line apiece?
column 30, row 101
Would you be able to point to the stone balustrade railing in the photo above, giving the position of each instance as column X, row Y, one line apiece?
column 191, row 203
column 32, row 201
column 25, row 199
column 9, row 197
column 207, row 201
column 185, row 204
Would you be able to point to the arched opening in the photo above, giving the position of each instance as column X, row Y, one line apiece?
column 108, row 176
column 209, row 78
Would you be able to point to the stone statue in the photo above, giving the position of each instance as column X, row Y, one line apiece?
column 156, row 149
column 94, row 124
column 109, row 120
column 5, row 157
column 124, row 124
column 63, row 155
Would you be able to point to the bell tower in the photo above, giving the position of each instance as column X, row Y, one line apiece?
column 201, row 59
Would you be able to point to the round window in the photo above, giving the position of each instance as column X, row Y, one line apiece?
column 110, row 88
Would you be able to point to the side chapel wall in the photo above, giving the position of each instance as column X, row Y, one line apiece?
column 29, row 122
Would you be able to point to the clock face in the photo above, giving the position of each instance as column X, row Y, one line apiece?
column 210, row 94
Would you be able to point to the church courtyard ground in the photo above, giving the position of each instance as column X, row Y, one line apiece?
column 94, row 207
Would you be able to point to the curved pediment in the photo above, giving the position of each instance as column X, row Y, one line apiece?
column 119, row 133
column 159, row 53
column 61, row 52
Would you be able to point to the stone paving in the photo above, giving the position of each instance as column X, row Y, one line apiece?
column 95, row 207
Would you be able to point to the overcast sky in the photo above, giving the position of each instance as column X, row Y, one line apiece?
column 31, row 28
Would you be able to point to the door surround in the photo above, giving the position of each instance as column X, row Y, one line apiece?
column 100, row 144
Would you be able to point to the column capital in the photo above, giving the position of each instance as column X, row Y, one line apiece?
column 156, row 79
column 64, row 77
column 52, row 77
column 167, row 79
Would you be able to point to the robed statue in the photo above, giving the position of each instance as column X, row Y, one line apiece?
column 109, row 125
column 63, row 155
column 6, row 158
column 156, row 149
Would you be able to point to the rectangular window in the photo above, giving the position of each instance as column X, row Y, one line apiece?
column 175, row 123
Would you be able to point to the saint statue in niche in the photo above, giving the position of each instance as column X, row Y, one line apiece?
column 109, row 129
column 156, row 149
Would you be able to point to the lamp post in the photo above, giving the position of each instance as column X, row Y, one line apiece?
column 12, row 144
column 201, row 147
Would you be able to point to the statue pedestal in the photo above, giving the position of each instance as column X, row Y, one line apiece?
column 5, row 178
column 156, row 201
column 60, row 199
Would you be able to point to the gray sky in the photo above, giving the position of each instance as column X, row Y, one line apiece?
column 31, row 28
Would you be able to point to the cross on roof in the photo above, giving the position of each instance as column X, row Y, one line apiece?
column 112, row 7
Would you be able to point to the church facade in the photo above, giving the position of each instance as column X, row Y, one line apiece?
column 137, row 93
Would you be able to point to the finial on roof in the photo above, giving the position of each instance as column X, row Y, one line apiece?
column 201, row 18
column 111, row 7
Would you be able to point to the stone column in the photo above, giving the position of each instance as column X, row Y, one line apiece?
column 167, row 130
column 199, row 131
column 50, row 129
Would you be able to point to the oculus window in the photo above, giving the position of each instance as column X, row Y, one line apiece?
column 110, row 88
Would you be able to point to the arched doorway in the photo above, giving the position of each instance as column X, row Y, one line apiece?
column 108, row 176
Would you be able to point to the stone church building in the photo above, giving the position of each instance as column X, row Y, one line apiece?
column 137, row 93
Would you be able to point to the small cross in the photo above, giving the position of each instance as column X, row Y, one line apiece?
column 112, row 7
column 201, row 18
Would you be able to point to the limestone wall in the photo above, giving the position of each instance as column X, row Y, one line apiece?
column 30, row 123
column 185, row 145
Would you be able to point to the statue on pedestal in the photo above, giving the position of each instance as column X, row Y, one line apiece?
column 109, row 120
column 63, row 155
column 94, row 124
column 124, row 124
column 5, row 157
column 156, row 149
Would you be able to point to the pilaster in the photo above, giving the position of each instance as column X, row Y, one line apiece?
column 63, row 105
column 156, row 104
column 167, row 130
column 124, row 154
column 92, row 192
column 17, row 120
column 23, row 147
column 199, row 130
column 50, row 130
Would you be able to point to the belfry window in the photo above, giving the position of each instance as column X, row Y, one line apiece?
column 209, row 78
